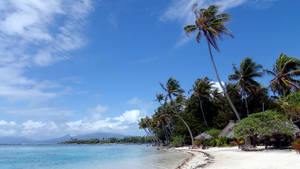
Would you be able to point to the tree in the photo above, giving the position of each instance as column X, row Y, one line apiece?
column 172, row 89
column 291, row 106
column 244, row 77
column 259, row 125
column 285, row 72
column 202, row 89
column 212, row 25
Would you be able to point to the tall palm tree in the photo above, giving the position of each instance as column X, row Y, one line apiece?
column 202, row 90
column 285, row 72
column 172, row 89
column 211, row 25
column 244, row 76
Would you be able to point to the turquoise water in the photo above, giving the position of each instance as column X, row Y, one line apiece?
column 87, row 157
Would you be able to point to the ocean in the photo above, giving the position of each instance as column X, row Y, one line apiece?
column 87, row 157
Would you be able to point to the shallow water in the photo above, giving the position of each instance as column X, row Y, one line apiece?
column 87, row 157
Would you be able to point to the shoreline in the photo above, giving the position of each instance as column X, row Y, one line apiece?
column 234, row 158
column 197, row 158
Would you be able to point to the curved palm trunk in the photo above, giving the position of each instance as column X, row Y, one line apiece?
column 187, row 126
column 203, row 115
column 219, row 80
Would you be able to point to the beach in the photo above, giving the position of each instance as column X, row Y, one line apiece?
column 234, row 158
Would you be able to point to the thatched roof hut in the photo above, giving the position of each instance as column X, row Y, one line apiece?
column 228, row 130
column 203, row 136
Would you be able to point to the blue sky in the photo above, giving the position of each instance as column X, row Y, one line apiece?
column 75, row 67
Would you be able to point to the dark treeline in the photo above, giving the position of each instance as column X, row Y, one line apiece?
column 205, row 107
column 125, row 140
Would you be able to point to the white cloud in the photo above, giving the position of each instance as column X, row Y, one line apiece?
column 144, row 107
column 216, row 85
column 181, row 11
column 7, row 128
column 5, row 123
column 96, row 111
column 36, row 33
column 131, row 116
column 49, row 113
column 85, row 127
column 39, row 130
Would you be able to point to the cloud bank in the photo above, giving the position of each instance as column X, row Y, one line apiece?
column 35, row 33
column 40, row 130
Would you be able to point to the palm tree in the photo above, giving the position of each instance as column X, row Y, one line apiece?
column 202, row 89
column 210, row 24
column 172, row 89
column 285, row 72
column 244, row 75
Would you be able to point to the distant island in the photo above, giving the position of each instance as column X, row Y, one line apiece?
column 125, row 140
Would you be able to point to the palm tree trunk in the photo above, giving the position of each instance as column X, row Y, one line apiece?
column 203, row 115
column 219, row 80
column 187, row 126
column 246, row 103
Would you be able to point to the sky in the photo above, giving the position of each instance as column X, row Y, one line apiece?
column 85, row 66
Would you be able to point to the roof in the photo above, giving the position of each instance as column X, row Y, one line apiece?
column 228, row 130
column 203, row 136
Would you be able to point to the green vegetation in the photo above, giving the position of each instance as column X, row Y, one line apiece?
column 264, row 117
column 126, row 140
column 213, row 132
column 285, row 72
column 263, row 124
column 177, row 141
column 291, row 106
column 211, row 24
column 244, row 77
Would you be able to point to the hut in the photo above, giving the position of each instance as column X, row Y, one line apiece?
column 203, row 136
column 228, row 130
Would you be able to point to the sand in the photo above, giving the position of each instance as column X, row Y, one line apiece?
column 233, row 158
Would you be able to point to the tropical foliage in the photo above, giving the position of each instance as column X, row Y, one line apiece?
column 263, row 124
column 244, row 77
column 285, row 73
column 291, row 106
column 211, row 24
column 179, row 116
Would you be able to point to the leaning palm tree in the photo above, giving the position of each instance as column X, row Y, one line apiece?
column 211, row 25
column 172, row 89
column 244, row 76
column 285, row 72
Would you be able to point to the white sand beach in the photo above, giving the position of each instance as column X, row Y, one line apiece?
column 233, row 158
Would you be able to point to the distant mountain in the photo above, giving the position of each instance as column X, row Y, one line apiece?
column 23, row 140
column 16, row 140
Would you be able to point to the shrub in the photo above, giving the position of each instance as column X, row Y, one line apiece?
column 198, row 143
column 213, row 132
column 177, row 141
column 221, row 141
column 274, row 128
column 261, row 124
column 296, row 145
column 217, row 142
column 211, row 142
